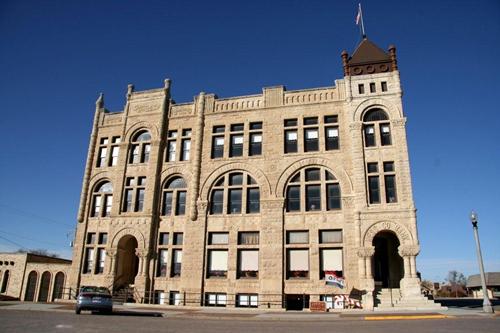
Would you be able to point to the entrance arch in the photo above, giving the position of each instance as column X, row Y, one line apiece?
column 43, row 294
column 388, row 267
column 29, row 295
column 127, row 262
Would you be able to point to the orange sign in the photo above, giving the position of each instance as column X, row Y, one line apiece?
column 317, row 306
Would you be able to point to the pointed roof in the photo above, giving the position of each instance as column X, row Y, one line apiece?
column 368, row 58
column 368, row 52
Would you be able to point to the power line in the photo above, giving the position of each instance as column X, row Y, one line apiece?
column 29, row 239
column 24, row 213
column 12, row 242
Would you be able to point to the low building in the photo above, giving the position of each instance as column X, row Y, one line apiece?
column 33, row 277
column 492, row 285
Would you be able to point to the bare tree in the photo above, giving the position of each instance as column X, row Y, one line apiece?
column 457, row 282
column 41, row 252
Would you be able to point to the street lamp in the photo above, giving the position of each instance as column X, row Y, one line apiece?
column 486, row 301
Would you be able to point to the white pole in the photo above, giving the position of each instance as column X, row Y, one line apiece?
column 362, row 23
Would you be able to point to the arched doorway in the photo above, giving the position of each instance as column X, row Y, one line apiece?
column 387, row 263
column 29, row 295
column 5, row 282
column 127, row 262
column 43, row 295
column 57, row 293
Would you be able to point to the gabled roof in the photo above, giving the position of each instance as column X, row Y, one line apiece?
column 368, row 52
column 492, row 279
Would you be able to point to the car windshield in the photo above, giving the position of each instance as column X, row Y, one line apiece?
column 92, row 289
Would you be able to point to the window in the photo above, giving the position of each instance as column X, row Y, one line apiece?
column 217, row 263
column 101, row 256
column 186, row 145
column 175, row 250
column 218, row 238
column 373, row 183
column 247, row 300
column 103, row 238
column 103, row 151
column 372, row 87
column 331, row 261
column 140, row 148
column 313, row 189
column 384, row 86
column 163, row 238
column 162, row 263
column 330, row 236
column 89, row 260
column 90, row 238
column 104, row 148
column 297, row 237
column 376, row 121
column 241, row 192
column 171, row 145
column 361, row 89
column 248, row 263
column 236, row 147
column 291, row 136
column 115, row 150
column 178, row 238
column 390, row 183
column 215, row 299
column 174, row 298
column 311, row 135
column 102, row 198
column 298, row 263
column 134, row 193
column 174, row 195
column 331, row 133
column 176, row 263
column 248, row 238
column 255, row 146
column 218, row 141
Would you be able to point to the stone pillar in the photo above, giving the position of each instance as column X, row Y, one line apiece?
column 367, row 284
column 413, row 266
column 410, row 284
column 111, row 253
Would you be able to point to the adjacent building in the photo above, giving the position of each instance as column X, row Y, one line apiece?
column 269, row 200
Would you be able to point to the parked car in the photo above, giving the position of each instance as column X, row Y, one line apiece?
column 94, row 299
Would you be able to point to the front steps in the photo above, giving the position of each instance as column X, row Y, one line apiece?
column 390, row 299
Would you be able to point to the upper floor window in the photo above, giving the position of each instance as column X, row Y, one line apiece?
column 102, row 200
column 255, row 135
column 374, row 182
column 174, row 141
column 108, row 152
column 140, row 148
column 133, row 195
column 218, row 141
column 311, row 132
column 238, row 133
column 174, row 197
column 313, row 189
column 235, row 193
column 376, row 128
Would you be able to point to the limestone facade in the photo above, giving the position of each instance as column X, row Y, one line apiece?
column 127, row 207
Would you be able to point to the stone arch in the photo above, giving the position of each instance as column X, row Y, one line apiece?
column 404, row 235
column 99, row 177
column 44, row 288
column 58, row 287
column 174, row 171
column 31, row 286
column 153, row 130
column 262, row 180
column 344, row 179
column 141, row 241
column 393, row 111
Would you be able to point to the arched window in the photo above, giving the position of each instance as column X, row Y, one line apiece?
column 313, row 189
column 235, row 193
column 140, row 148
column 102, row 200
column 43, row 293
column 29, row 295
column 57, row 293
column 174, row 195
column 5, row 282
column 376, row 124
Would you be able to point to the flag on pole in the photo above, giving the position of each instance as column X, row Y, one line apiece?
column 358, row 17
column 332, row 279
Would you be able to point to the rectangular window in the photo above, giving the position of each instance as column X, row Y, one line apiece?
column 127, row 205
column 135, row 156
column 361, row 88
column 373, row 189
column 218, row 238
column 311, row 139
column 385, row 134
column 186, row 149
column 293, row 199
column 176, row 263
column 248, row 263
column 163, row 239
column 331, row 261
column 101, row 256
column 313, row 197
column 372, row 167
column 103, row 238
column 248, row 238
column 330, row 236
column 215, row 299
column 333, row 119
column 236, row 148
column 174, row 298
column 388, row 166
column 172, row 146
column 253, row 200
column 291, row 141
column 247, row 300
column 217, row 266
column 311, row 121
column 290, row 122
column 256, row 126
column 162, row 263
column 390, row 188
column 108, row 202
column 91, row 238
column 167, row 203
column 255, row 144
column 145, row 153
column 384, row 86
column 298, row 237
column 178, row 238
column 139, row 205
column 102, row 157
column 234, row 205
column 180, row 207
column 332, row 138
column 96, row 208
column 298, row 263
column 216, row 203
column 369, row 136
column 237, row 127
column 115, row 150
column 372, row 87
column 186, row 132
column 89, row 261
column 217, row 146
column 333, row 196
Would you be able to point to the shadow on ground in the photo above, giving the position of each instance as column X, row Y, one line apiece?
column 465, row 302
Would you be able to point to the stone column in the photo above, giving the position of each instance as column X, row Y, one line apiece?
column 111, row 253
column 367, row 284
column 410, row 284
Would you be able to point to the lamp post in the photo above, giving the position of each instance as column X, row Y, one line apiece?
column 486, row 301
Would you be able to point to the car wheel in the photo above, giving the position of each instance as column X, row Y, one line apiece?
column 77, row 311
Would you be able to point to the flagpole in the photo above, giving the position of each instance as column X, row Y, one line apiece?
column 362, row 23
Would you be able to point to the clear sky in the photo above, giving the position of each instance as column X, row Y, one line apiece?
column 56, row 56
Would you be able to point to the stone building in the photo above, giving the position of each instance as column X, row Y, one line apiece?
column 32, row 277
column 254, row 200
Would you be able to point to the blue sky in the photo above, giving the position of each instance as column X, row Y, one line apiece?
column 56, row 56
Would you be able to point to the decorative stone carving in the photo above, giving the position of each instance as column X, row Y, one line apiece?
column 111, row 252
column 399, row 122
column 202, row 206
column 408, row 250
column 272, row 204
column 400, row 230
column 367, row 251
column 348, row 202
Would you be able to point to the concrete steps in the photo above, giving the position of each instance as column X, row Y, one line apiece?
column 391, row 299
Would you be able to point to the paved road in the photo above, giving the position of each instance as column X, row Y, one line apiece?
column 62, row 322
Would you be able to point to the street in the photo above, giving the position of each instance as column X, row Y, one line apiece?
column 130, row 321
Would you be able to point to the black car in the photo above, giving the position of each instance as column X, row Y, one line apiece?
column 94, row 299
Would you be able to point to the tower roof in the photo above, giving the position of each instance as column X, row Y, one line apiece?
column 368, row 58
